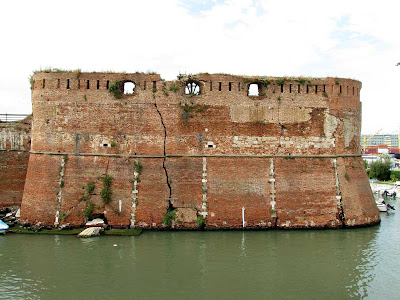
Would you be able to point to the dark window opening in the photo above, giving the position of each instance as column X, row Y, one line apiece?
column 220, row 86
column 58, row 83
column 230, row 86
column 192, row 88
column 281, row 88
column 253, row 90
column 144, row 85
column 340, row 90
column 108, row 84
column 353, row 90
column 154, row 85
column 239, row 86
column 105, row 145
column 87, row 84
column 308, row 88
column 98, row 84
column 44, row 83
column 129, row 87
column 298, row 88
column 79, row 83
column 210, row 146
column 210, row 85
column 324, row 88
column 316, row 89
column 290, row 88
column 67, row 83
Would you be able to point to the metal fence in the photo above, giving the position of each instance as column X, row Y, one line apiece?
column 12, row 117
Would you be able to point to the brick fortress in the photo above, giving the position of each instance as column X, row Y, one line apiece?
column 209, row 150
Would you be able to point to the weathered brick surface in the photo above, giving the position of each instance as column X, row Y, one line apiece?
column 236, row 183
column 14, row 155
column 183, row 143
column 306, row 193
column 39, row 200
column 358, row 202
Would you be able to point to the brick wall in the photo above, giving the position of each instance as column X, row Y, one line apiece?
column 221, row 154
column 14, row 156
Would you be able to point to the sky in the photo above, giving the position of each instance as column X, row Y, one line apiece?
column 343, row 38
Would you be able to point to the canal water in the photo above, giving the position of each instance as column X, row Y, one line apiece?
column 360, row 263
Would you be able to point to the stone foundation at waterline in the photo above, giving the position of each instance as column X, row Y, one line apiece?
column 213, row 151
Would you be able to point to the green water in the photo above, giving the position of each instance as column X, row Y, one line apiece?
column 322, row 264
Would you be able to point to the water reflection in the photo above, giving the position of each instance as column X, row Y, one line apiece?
column 327, row 264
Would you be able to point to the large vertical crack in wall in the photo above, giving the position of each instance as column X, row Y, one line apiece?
column 165, row 157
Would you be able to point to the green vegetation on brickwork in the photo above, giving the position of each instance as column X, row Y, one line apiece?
column 201, row 222
column 87, row 213
column 106, row 191
column 174, row 88
column 137, row 165
column 169, row 217
column 62, row 217
column 90, row 187
column 115, row 89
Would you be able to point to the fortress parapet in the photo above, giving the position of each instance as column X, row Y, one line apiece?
column 214, row 150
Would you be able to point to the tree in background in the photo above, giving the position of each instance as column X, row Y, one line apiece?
column 380, row 169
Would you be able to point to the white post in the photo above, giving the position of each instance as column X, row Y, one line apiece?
column 244, row 222
column 120, row 205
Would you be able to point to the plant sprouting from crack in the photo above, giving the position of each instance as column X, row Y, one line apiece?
column 106, row 190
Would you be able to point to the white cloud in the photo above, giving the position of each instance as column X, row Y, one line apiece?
column 355, row 39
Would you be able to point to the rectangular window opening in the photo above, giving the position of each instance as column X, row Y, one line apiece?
column 353, row 90
column 298, row 88
column 44, row 83
column 98, row 84
column 316, row 88
column 220, row 86
column 308, row 88
column 58, row 83
column 290, row 88
column 67, row 84
column 108, row 84
column 340, row 91
column 210, row 85
column 239, row 86
column 324, row 88
column 87, row 84
column 230, row 86
column 281, row 88
column 79, row 83
column 154, row 84
column 144, row 85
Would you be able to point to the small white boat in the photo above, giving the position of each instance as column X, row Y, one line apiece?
column 3, row 227
column 95, row 223
column 383, row 206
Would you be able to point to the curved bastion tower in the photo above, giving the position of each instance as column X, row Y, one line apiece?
column 206, row 150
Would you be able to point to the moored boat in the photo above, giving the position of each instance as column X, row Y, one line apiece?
column 3, row 227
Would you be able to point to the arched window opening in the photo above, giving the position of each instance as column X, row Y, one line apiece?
column 253, row 90
column 192, row 88
column 129, row 87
